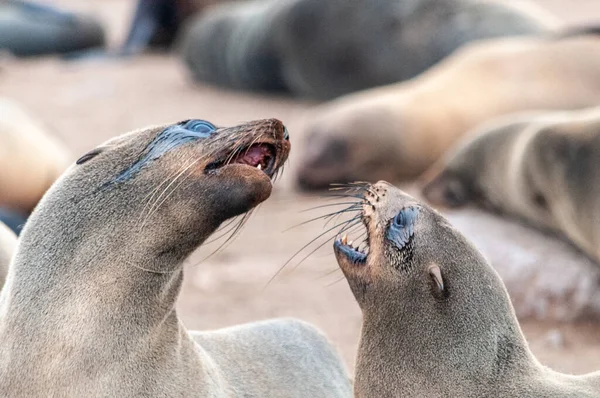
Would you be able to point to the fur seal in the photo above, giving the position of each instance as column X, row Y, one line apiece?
column 549, row 176
column 437, row 320
column 28, row 28
column 83, row 314
column 396, row 132
column 157, row 23
column 324, row 49
column 30, row 158
column 8, row 242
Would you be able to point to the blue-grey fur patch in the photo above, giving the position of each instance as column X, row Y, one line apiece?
column 402, row 227
column 170, row 138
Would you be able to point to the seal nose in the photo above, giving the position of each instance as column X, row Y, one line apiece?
column 286, row 134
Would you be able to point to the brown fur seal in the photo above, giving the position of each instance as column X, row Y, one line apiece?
column 542, row 169
column 437, row 320
column 8, row 242
column 30, row 158
column 396, row 132
column 89, row 306
column 324, row 49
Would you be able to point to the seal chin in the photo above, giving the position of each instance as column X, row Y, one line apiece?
column 350, row 254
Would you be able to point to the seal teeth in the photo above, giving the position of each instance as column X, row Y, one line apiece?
column 345, row 239
column 259, row 167
column 350, row 243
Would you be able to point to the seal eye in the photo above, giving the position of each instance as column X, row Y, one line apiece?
column 401, row 228
column 199, row 126
column 91, row 154
column 399, row 220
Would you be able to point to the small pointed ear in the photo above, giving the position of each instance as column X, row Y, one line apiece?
column 88, row 156
column 436, row 275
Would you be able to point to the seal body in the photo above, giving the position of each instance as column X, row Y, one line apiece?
column 31, row 29
column 84, row 315
column 437, row 320
column 550, row 177
column 396, row 132
column 324, row 49
column 8, row 242
column 30, row 158
column 157, row 23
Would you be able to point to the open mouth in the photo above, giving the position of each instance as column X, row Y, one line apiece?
column 355, row 254
column 261, row 156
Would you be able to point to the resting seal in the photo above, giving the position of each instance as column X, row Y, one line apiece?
column 437, row 320
column 324, row 49
column 398, row 131
column 549, row 175
column 8, row 242
column 157, row 23
column 89, row 306
column 30, row 158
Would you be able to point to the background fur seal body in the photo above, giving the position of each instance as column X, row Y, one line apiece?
column 30, row 158
column 549, row 175
column 437, row 320
column 8, row 242
column 323, row 49
column 83, row 314
column 396, row 132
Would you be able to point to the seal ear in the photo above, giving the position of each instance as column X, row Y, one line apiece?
column 436, row 275
column 88, row 156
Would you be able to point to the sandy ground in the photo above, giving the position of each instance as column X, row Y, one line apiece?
column 88, row 102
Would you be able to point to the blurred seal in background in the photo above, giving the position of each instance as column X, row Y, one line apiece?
column 396, row 132
column 324, row 49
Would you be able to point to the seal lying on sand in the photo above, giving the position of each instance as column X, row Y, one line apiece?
column 8, row 242
column 323, row 49
column 89, row 306
column 157, row 23
column 437, row 320
column 30, row 158
column 396, row 132
column 541, row 168
column 28, row 28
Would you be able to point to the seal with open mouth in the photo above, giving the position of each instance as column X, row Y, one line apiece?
column 437, row 320
column 89, row 304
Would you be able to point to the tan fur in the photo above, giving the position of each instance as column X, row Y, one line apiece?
column 395, row 132
column 549, row 176
column 30, row 158
column 89, row 305
column 437, row 320
column 8, row 242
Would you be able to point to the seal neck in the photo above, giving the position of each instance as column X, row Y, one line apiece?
column 400, row 355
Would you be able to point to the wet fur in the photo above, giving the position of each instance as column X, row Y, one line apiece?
column 418, row 340
column 398, row 131
column 324, row 49
column 89, row 304
column 550, row 179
